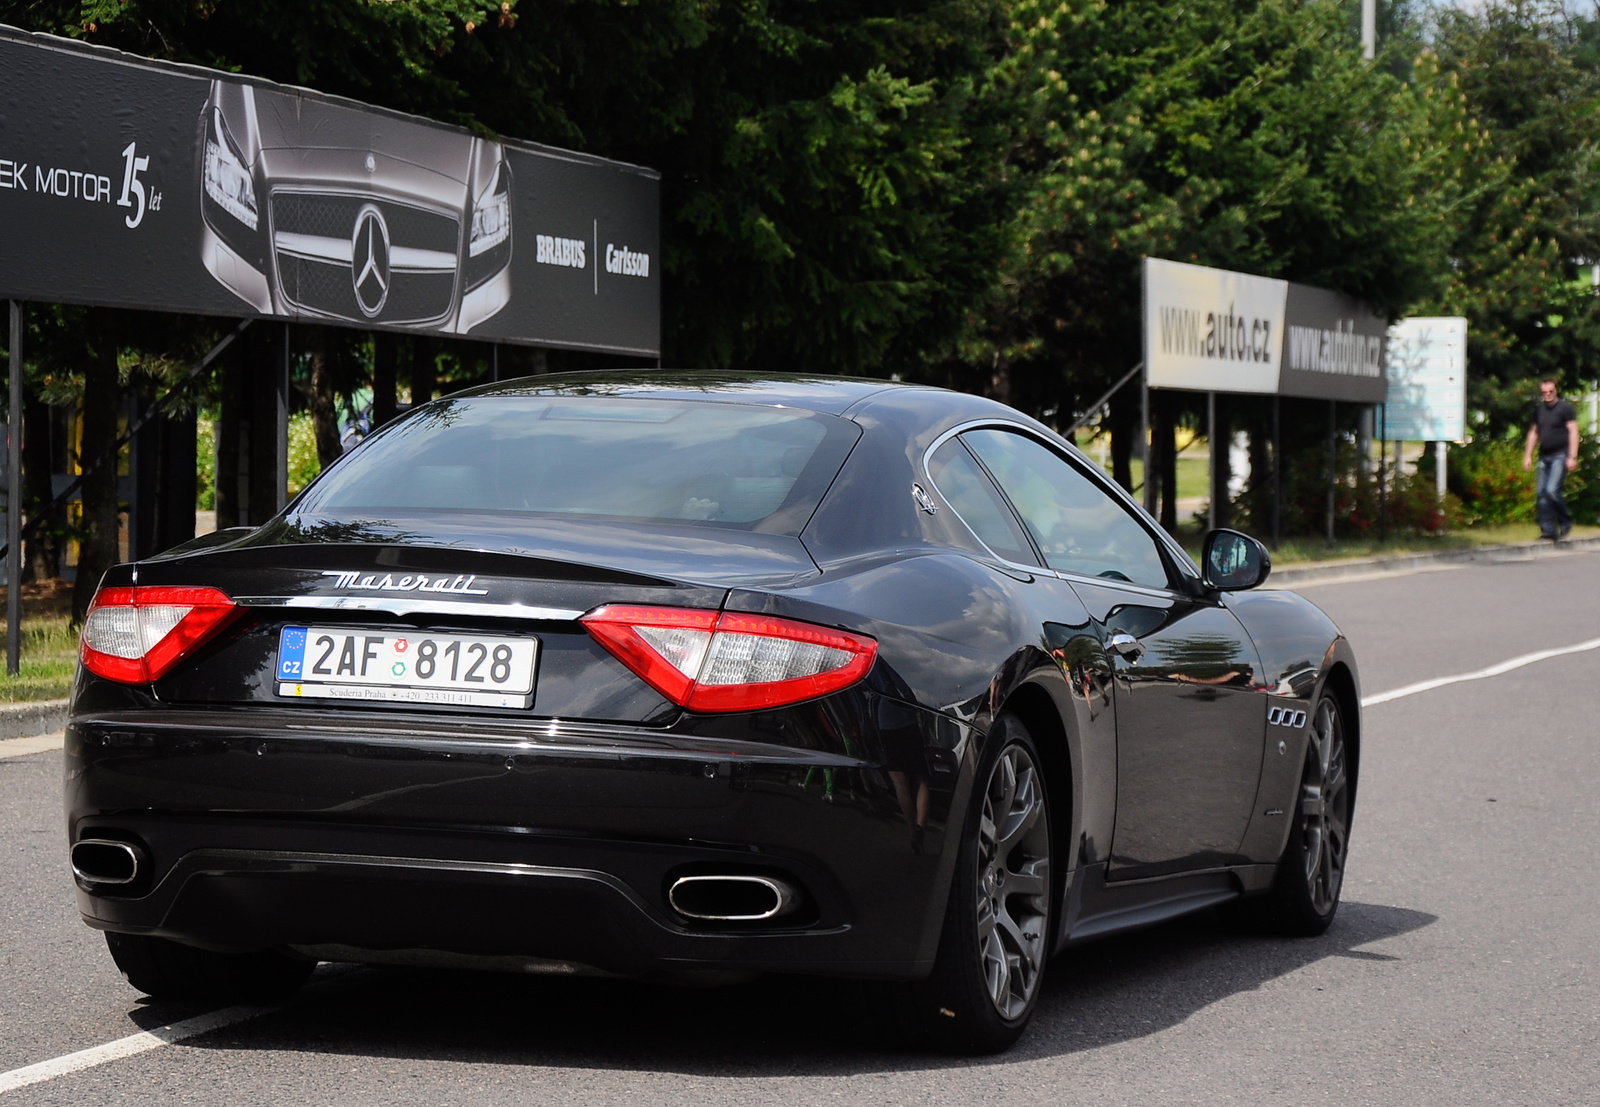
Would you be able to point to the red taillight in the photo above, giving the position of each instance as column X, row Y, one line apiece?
column 733, row 661
column 136, row 635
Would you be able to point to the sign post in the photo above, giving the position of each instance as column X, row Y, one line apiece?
column 14, row 501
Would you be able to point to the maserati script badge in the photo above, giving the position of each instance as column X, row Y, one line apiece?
column 456, row 585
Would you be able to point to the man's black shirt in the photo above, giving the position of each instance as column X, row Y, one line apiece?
column 1552, row 420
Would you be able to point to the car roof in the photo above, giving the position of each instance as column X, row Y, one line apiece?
column 824, row 394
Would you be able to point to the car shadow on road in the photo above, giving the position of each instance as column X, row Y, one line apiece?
column 1099, row 994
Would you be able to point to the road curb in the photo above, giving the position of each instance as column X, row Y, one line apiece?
column 24, row 720
column 1394, row 565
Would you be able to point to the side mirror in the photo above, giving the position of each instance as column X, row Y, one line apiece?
column 1233, row 562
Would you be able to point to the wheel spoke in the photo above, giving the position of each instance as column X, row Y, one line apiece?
column 1033, row 879
column 986, row 920
column 1334, row 783
column 1313, row 852
column 1006, row 778
column 997, row 968
column 1018, row 822
column 986, row 836
column 1329, row 874
column 1335, row 831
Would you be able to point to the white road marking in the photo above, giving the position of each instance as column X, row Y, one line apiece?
column 127, row 1047
column 39, row 743
column 1492, row 670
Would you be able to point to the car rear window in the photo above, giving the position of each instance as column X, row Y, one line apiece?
column 712, row 464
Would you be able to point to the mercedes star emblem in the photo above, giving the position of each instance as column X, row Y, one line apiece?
column 369, row 261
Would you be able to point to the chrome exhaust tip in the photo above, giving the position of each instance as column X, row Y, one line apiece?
column 107, row 861
column 732, row 898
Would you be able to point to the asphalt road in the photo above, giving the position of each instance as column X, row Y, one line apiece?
column 1461, row 969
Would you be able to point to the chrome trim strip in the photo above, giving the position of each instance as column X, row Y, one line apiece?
column 1120, row 585
column 402, row 606
column 315, row 247
column 407, row 259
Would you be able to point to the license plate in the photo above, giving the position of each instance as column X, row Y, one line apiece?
column 345, row 663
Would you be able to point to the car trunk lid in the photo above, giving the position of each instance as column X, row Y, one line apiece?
column 413, row 578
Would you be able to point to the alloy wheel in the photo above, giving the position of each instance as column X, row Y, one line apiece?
column 1325, row 808
column 1013, row 895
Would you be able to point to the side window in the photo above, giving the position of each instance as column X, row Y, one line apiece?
column 969, row 490
column 1078, row 527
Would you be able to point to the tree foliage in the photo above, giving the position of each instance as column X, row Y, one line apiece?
column 1520, row 262
column 1245, row 136
column 962, row 190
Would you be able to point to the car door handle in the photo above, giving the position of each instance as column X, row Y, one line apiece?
column 1126, row 645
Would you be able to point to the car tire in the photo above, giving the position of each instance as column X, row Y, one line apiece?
column 996, row 937
column 165, row 969
column 1305, row 893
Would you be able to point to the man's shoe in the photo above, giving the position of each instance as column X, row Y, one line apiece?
column 1565, row 530
column 1543, row 537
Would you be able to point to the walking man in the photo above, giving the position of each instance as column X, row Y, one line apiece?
column 1555, row 433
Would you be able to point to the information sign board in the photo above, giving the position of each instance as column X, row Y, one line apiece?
column 1427, row 372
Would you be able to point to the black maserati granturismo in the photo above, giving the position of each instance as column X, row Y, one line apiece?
column 667, row 673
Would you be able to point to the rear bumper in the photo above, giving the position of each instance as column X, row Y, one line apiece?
column 269, row 829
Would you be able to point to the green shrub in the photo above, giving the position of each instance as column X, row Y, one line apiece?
column 303, row 463
column 1493, row 486
column 1410, row 500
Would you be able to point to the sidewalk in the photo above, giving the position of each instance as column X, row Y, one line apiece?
column 1319, row 572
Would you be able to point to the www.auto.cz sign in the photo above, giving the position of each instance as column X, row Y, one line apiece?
column 131, row 183
column 1213, row 330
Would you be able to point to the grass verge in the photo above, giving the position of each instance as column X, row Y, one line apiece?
column 1302, row 550
column 49, row 645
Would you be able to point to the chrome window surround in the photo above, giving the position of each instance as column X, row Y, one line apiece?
column 1179, row 556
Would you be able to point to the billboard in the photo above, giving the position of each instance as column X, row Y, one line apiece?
column 1427, row 378
column 1213, row 330
column 131, row 183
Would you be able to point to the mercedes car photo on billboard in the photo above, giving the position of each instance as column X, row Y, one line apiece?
column 314, row 209
column 684, row 674
column 128, row 182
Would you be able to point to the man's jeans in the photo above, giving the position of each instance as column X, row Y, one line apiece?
column 1554, row 518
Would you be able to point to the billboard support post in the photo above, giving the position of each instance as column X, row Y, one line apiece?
column 1333, row 460
column 1277, row 468
column 1440, row 452
column 1211, row 445
column 280, row 425
column 1144, row 443
column 1383, row 472
column 14, row 501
